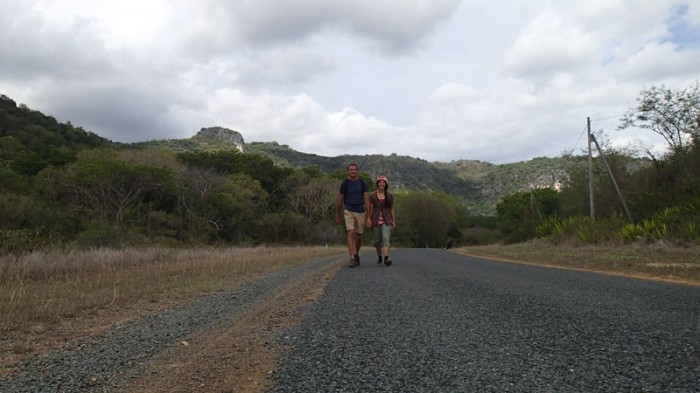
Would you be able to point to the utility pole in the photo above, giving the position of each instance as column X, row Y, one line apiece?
column 590, row 170
column 614, row 182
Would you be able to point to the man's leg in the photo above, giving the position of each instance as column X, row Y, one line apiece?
column 359, row 226
column 350, row 225
column 351, row 243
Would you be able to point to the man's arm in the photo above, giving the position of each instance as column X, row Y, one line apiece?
column 339, row 208
column 368, row 209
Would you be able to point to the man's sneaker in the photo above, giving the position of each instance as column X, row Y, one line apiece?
column 352, row 262
column 387, row 262
column 357, row 260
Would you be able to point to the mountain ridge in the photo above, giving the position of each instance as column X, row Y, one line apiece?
column 479, row 185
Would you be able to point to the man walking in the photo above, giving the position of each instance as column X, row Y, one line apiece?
column 353, row 202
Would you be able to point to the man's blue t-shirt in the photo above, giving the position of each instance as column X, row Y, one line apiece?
column 354, row 194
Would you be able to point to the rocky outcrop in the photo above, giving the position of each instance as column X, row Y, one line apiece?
column 223, row 135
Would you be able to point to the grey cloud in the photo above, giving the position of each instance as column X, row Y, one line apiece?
column 390, row 27
column 394, row 28
column 31, row 48
column 123, row 111
column 66, row 72
column 284, row 67
column 221, row 28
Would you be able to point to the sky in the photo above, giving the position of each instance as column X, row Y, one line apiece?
column 499, row 81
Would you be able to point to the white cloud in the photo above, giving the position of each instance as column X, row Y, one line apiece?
column 440, row 80
column 282, row 67
column 550, row 46
column 694, row 14
column 659, row 61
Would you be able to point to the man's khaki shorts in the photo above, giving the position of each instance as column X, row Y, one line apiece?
column 354, row 221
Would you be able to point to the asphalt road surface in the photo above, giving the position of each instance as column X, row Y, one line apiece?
column 436, row 321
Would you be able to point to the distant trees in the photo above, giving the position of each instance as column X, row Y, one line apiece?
column 43, row 140
column 663, row 196
column 61, row 183
column 673, row 114
column 675, row 178
column 428, row 219
column 520, row 213
column 310, row 193
column 102, row 181
column 232, row 161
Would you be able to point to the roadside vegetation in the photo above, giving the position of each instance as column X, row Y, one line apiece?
column 658, row 201
column 658, row 261
column 63, row 188
column 41, row 291
column 650, row 228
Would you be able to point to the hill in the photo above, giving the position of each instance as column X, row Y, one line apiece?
column 42, row 141
column 480, row 185
column 32, row 140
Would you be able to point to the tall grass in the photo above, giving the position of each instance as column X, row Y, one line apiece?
column 43, row 288
column 658, row 260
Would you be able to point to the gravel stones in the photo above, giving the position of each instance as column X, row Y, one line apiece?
column 102, row 362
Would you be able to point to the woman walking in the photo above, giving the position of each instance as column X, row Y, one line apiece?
column 381, row 218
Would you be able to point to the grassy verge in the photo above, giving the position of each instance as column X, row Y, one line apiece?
column 657, row 261
column 46, row 289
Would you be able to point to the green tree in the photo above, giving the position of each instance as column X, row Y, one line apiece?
column 519, row 213
column 673, row 114
column 232, row 207
column 313, row 197
column 232, row 161
column 426, row 218
column 103, row 182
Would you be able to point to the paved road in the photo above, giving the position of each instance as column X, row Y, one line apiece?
column 441, row 322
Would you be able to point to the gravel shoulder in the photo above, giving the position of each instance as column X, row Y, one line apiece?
column 238, row 353
column 220, row 343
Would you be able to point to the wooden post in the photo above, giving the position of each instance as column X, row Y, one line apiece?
column 614, row 182
column 590, row 170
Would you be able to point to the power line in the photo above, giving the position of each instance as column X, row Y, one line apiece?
column 579, row 138
column 607, row 118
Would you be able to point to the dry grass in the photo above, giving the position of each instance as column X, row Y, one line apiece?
column 41, row 290
column 655, row 261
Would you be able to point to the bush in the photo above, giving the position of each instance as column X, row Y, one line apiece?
column 675, row 223
column 24, row 241
column 580, row 229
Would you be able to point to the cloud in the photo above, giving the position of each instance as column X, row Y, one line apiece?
column 394, row 27
column 32, row 48
column 658, row 61
column 282, row 67
column 121, row 112
column 390, row 27
column 550, row 46
column 440, row 80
